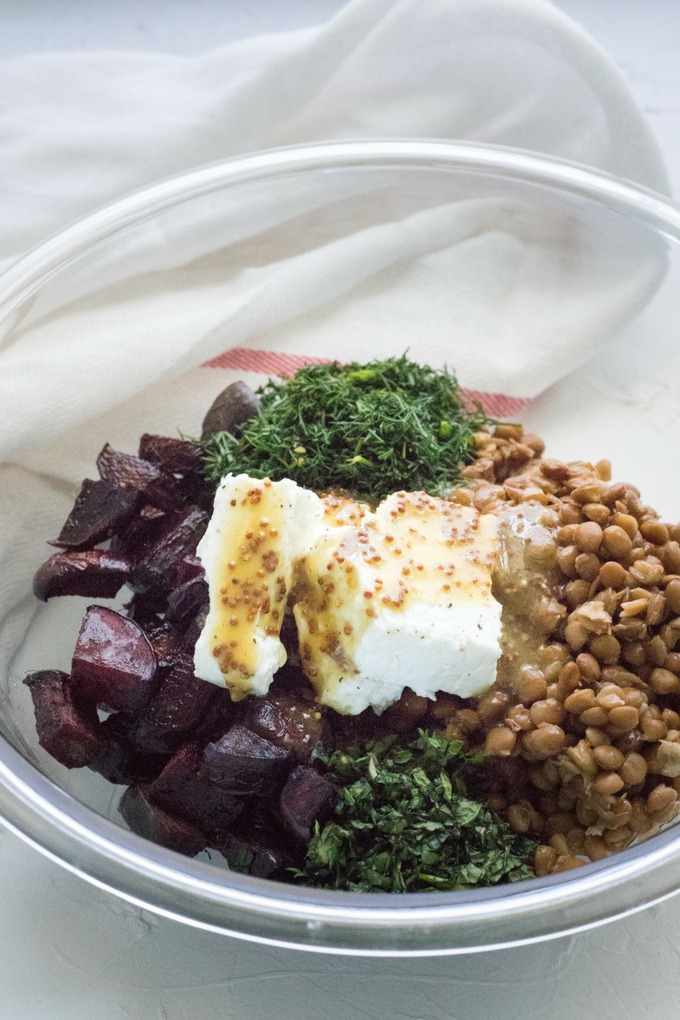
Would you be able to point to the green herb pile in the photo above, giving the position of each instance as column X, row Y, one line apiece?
column 404, row 823
column 371, row 429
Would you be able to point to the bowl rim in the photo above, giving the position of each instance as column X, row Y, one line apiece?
column 112, row 858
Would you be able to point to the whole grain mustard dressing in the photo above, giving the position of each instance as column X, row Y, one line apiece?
column 252, row 590
column 527, row 556
column 416, row 550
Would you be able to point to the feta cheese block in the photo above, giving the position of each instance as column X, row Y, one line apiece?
column 386, row 599
column 401, row 599
column 257, row 531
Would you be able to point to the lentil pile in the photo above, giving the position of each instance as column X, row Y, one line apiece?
column 586, row 744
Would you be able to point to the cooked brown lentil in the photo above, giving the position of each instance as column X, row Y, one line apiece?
column 592, row 727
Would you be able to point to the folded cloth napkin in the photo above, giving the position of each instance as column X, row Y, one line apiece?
column 117, row 351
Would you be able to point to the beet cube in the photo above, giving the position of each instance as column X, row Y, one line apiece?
column 287, row 722
column 125, row 469
column 67, row 729
column 192, row 633
column 179, row 535
column 230, row 409
column 165, row 641
column 170, row 453
column 307, row 797
column 141, row 532
column 96, row 573
column 221, row 714
column 253, row 852
column 176, row 707
column 152, row 822
column 243, row 762
column 189, row 568
column 118, row 761
column 185, row 601
column 181, row 789
column 101, row 509
column 113, row 664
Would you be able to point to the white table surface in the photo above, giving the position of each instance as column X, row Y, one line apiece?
column 69, row 950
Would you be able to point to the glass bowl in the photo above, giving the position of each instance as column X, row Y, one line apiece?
column 534, row 278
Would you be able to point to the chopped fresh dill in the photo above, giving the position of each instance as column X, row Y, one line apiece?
column 404, row 823
column 370, row 429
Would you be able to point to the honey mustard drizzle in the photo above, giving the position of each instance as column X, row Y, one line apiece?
column 252, row 588
column 417, row 549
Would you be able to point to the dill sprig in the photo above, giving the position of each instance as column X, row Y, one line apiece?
column 404, row 823
column 371, row 429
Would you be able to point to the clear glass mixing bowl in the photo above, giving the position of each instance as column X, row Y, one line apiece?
column 602, row 239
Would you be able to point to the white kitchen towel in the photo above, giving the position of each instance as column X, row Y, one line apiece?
column 101, row 357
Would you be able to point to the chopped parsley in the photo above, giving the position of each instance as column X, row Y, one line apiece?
column 405, row 823
column 371, row 429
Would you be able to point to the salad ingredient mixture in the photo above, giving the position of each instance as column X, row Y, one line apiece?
column 569, row 752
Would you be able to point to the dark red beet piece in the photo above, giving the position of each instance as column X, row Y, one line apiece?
column 101, row 509
column 221, row 714
column 114, row 665
column 179, row 535
column 189, row 568
column 287, row 722
column 118, row 761
column 165, row 642
column 306, row 797
column 191, row 634
column 175, row 709
column 67, row 730
column 243, row 762
column 125, row 469
column 253, row 852
column 185, row 601
column 230, row 410
column 97, row 573
column 170, row 453
column 183, row 791
column 160, row 489
column 142, row 531
column 158, row 825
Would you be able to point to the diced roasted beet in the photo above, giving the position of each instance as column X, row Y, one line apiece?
column 67, row 729
column 100, row 510
column 159, row 488
column 230, row 410
column 185, row 601
column 147, row 611
column 174, row 710
column 178, row 537
column 287, row 722
column 125, row 469
column 181, row 789
column 97, row 573
column 167, row 492
column 118, row 761
column 114, row 665
column 253, row 852
column 142, row 531
column 191, row 634
column 152, row 822
column 306, row 797
column 221, row 714
column 243, row 762
column 189, row 568
column 171, row 453
column 165, row 641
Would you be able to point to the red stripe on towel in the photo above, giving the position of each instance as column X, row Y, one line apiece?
column 243, row 359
